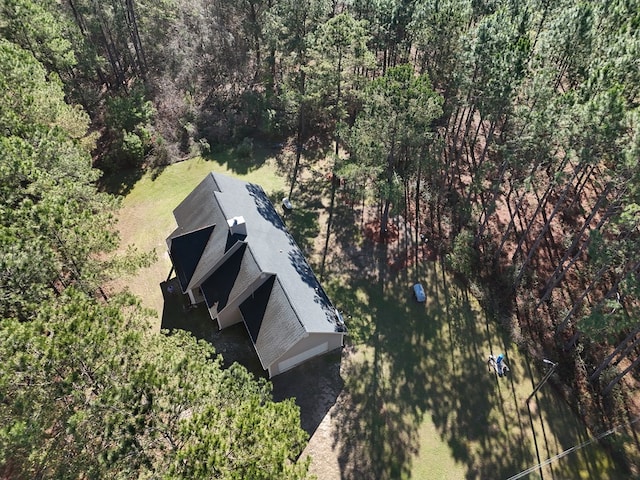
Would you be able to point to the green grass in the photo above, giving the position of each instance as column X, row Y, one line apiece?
column 426, row 404
column 152, row 199
column 146, row 217
column 421, row 401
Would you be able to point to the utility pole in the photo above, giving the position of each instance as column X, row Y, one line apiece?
column 544, row 379
column 542, row 382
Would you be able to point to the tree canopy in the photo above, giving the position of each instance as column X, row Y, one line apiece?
column 88, row 389
column 508, row 131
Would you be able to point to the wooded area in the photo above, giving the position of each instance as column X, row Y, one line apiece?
column 507, row 132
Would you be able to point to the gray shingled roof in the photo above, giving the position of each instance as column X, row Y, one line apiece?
column 271, row 321
column 297, row 303
column 186, row 252
column 191, row 216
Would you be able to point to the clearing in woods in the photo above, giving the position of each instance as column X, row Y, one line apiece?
column 411, row 395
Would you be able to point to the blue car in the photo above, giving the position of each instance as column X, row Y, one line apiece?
column 418, row 292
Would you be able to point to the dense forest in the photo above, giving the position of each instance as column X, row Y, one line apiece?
column 507, row 132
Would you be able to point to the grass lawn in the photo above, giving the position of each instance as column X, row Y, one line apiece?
column 416, row 399
column 423, row 403
column 146, row 217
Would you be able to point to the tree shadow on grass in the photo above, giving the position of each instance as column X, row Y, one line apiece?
column 420, row 360
column 491, row 429
column 311, row 190
column 241, row 160
column 120, row 182
column 378, row 434
column 465, row 397
column 303, row 225
column 302, row 221
column 557, row 429
column 419, row 363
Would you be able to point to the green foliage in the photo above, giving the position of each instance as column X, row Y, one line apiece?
column 463, row 258
column 129, row 118
column 393, row 128
column 340, row 36
column 499, row 55
column 244, row 151
column 339, row 49
column 129, row 111
column 531, row 93
column 131, row 148
column 30, row 99
column 438, row 28
column 37, row 27
column 89, row 391
column 53, row 221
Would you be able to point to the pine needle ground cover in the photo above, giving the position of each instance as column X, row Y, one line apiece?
column 415, row 398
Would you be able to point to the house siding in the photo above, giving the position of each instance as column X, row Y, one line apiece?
column 228, row 317
column 313, row 345
column 259, row 276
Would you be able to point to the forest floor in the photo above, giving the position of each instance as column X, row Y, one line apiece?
column 536, row 315
column 410, row 396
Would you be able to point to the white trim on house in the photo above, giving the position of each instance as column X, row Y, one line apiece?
column 291, row 362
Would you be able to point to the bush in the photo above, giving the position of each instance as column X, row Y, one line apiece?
column 463, row 258
column 244, row 151
column 130, row 111
column 128, row 121
column 132, row 147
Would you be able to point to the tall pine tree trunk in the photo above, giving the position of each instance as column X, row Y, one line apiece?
column 624, row 345
column 617, row 378
column 560, row 270
column 547, row 226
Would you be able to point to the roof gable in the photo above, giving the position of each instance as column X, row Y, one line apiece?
column 271, row 321
column 186, row 251
column 218, row 287
column 254, row 307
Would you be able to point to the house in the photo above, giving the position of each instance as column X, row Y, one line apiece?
column 233, row 252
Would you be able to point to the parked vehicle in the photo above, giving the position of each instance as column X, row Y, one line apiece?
column 286, row 204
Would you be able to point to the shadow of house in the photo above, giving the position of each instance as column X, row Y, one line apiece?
column 315, row 386
column 232, row 343
column 232, row 253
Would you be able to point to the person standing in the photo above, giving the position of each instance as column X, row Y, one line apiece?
column 502, row 367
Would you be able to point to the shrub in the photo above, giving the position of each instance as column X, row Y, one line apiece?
column 463, row 258
column 244, row 151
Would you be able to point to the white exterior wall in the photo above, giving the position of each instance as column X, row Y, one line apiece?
column 228, row 317
column 312, row 346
